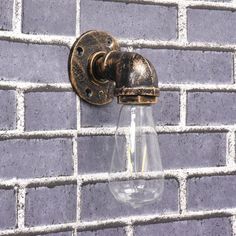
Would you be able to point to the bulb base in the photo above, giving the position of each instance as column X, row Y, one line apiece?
column 136, row 100
column 137, row 96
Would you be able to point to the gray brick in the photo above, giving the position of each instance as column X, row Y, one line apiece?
column 6, row 12
column 211, row 108
column 215, row 192
column 95, row 153
column 7, row 209
column 103, row 232
column 50, row 110
column 129, row 20
column 53, row 205
column 97, row 202
column 8, row 110
column 190, row 150
column 166, row 111
column 204, row 25
column 184, row 66
column 97, row 116
column 49, row 17
column 33, row 63
column 23, row 158
column 204, row 227
column 56, row 234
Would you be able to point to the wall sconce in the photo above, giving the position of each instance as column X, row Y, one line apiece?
column 99, row 71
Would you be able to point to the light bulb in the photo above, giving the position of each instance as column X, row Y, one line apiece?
column 136, row 153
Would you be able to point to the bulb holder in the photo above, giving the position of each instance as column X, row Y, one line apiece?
column 98, row 71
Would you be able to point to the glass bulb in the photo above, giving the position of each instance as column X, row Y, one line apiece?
column 136, row 153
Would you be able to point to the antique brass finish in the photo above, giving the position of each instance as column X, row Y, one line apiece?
column 99, row 71
column 85, row 49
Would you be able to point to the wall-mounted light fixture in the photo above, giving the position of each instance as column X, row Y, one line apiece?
column 99, row 71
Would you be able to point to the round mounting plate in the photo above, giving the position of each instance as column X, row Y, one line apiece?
column 92, row 91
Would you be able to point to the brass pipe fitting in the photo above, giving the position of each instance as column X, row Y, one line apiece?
column 127, row 75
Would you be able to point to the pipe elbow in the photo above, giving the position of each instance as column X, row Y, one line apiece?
column 130, row 70
column 134, row 76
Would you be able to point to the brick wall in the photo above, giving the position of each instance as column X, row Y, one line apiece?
column 51, row 181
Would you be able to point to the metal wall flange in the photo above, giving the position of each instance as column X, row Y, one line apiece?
column 88, row 47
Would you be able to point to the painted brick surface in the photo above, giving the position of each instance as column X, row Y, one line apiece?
column 50, row 205
column 207, row 108
column 50, row 17
column 47, row 157
column 56, row 234
column 33, row 63
column 8, row 110
column 53, row 174
column 97, row 158
column 55, row 110
column 185, row 66
column 211, row 192
column 192, row 150
column 6, row 10
column 7, row 209
column 129, row 20
column 98, row 202
column 205, row 227
column 103, row 232
column 94, row 116
column 204, row 25
column 165, row 112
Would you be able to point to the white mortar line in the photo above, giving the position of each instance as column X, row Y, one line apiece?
column 183, row 193
column 122, row 221
column 230, row 152
column 39, row 39
column 233, row 224
column 78, row 212
column 199, row 87
column 183, row 107
column 175, row 173
column 21, row 193
column 20, row 110
column 32, row 182
column 129, row 230
column 75, row 155
column 156, row 44
column 182, row 23
column 78, row 110
column 39, row 229
column 17, row 16
column 109, row 131
column 75, row 161
column 28, row 86
column 190, row 3
column 160, row 129
column 68, row 41
column 74, row 232
column 103, row 177
column 37, row 134
column 234, row 68
column 155, row 218
column 78, row 18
